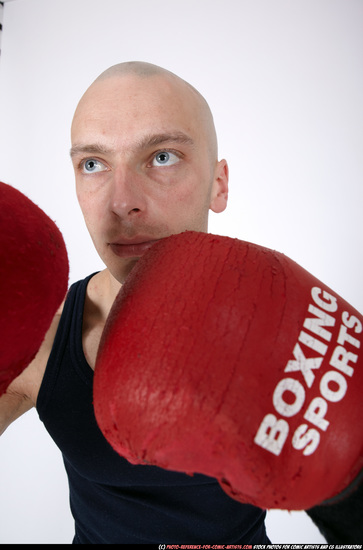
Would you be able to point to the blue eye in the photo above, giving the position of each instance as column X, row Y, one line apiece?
column 91, row 166
column 165, row 158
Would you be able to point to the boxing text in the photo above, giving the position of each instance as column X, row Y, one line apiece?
column 316, row 336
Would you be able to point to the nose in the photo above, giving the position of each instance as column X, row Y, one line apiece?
column 127, row 196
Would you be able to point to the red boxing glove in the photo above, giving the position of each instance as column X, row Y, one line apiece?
column 228, row 359
column 33, row 280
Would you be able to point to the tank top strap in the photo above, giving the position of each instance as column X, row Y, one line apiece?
column 69, row 334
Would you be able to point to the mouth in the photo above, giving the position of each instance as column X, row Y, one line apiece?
column 132, row 249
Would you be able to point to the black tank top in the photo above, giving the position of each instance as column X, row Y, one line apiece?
column 113, row 501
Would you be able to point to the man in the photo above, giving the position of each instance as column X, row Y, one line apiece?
column 144, row 151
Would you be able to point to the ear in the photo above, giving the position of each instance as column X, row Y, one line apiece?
column 219, row 194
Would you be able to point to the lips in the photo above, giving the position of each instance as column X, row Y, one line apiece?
column 132, row 249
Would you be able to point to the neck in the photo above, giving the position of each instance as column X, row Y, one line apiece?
column 102, row 291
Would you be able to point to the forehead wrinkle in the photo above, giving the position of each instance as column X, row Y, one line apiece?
column 151, row 140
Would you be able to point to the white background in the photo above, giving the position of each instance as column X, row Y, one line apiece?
column 284, row 80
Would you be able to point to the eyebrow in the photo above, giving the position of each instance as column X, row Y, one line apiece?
column 148, row 141
column 95, row 148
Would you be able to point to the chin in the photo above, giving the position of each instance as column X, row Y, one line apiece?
column 121, row 274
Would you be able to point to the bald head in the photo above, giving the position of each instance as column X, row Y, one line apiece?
column 145, row 71
column 139, row 68
column 144, row 151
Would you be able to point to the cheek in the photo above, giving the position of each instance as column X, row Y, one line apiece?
column 188, row 210
column 82, row 197
column 91, row 204
column 196, row 195
column 84, row 205
column 91, row 214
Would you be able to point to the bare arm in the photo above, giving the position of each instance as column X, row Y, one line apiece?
column 22, row 393
column 12, row 405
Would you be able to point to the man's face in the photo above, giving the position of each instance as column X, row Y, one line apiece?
column 143, row 166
